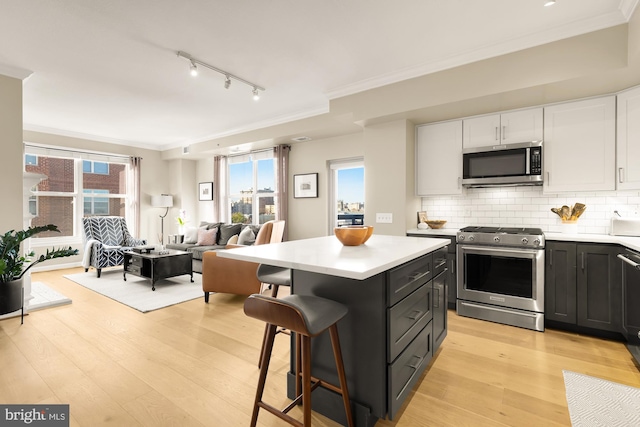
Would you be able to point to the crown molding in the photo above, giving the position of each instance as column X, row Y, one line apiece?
column 627, row 7
column 15, row 72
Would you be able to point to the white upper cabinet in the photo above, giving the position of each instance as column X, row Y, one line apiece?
column 628, row 143
column 580, row 145
column 439, row 158
column 506, row 128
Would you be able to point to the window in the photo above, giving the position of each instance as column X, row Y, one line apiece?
column 74, row 188
column 30, row 159
column 347, row 193
column 251, row 190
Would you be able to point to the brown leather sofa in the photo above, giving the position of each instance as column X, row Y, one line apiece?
column 231, row 276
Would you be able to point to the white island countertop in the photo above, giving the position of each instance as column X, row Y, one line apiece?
column 326, row 255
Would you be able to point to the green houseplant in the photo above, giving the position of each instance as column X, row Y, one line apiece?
column 12, row 263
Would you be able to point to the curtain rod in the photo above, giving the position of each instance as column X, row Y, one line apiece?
column 74, row 150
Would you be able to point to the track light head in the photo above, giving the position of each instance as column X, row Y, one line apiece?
column 227, row 82
column 256, row 94
column 194, row 69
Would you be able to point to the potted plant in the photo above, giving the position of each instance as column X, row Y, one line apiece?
column 12, row 264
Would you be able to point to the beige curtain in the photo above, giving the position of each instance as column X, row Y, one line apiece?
column 134, row 163
column 281, row 153
column 219, row 188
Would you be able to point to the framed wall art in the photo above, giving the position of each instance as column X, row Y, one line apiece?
column 205, row 190
column 305, row 185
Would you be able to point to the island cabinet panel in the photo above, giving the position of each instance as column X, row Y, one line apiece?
column 408, row 277
column 386, row 338
column 440, row 296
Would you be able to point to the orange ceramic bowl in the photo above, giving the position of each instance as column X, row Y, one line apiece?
column 354, row 235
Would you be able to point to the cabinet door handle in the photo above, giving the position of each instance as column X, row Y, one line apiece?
column 459, row 182
column 548, row 178
column 436, row 298
column 504, row 133
column 550, row 257
column 415, row 316
column 582, row 257
column 628, row 261
column 620, row 174
column 496, row 133
column 418, row 275
column 417, row 364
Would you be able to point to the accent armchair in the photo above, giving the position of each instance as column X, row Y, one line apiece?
column 106, row 240
column 233, row 276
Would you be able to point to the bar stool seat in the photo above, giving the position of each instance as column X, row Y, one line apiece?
column 307, row 316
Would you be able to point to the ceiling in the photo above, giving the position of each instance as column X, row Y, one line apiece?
column 109, row 70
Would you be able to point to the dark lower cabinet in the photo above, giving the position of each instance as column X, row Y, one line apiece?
column 599, row 289
column 560, row 282
column 583, row 285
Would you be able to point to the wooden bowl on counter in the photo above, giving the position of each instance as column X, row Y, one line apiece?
column 435, row 224
column 353, row 235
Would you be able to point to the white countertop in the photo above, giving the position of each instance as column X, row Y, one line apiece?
column 627, row 241
column 434, row 232
column 327, row 255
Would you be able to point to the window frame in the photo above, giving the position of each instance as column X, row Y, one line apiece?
column 78, row 194
column 256, row 194
column 333, row 167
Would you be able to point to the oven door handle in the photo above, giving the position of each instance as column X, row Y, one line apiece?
column 500, row 251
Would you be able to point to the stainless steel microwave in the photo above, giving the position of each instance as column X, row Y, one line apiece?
column 508, row 164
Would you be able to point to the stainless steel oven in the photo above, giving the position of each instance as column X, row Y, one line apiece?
column 501, row 275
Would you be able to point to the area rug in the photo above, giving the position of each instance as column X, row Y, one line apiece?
column 136, row 292
column 44, row 297
column 596, row 402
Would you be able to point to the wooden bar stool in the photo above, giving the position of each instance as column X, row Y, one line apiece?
column 275, row 277
column 307, row 316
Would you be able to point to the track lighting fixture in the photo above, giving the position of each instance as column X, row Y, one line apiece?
column 550, row 2
column 228, row 76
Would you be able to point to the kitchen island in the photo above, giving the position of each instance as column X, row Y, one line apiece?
column 387, row 337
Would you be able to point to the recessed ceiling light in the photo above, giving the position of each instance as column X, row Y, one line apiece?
column 550, row 2
column 301, row 139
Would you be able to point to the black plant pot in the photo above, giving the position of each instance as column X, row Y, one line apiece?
column 10, row 296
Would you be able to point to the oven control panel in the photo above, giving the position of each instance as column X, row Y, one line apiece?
column 501, row 239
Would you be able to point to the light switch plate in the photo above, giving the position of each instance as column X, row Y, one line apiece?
column 384, row 218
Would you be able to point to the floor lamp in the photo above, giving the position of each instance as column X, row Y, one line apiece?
column 162, row 201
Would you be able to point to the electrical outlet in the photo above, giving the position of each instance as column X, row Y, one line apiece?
column 386, row 218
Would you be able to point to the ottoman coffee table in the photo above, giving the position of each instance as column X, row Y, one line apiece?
column 157, row 267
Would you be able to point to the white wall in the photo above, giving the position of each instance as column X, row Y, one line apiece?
column 11, row 159
column 310, row 217
column 527, row 206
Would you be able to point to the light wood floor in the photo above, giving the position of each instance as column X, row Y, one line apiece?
column 194, row 364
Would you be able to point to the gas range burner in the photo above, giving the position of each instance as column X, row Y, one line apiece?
column 524, row 237
column 503, row 230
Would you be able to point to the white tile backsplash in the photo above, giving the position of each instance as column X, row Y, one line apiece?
column 527, row 206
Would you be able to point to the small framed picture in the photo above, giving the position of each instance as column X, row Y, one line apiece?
column 422, row 216
column 305, row 185
column 205, row 190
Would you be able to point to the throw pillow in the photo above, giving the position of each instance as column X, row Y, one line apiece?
column 191, row 235
column 207, row 237
column 246, row 237
column 228, row 230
